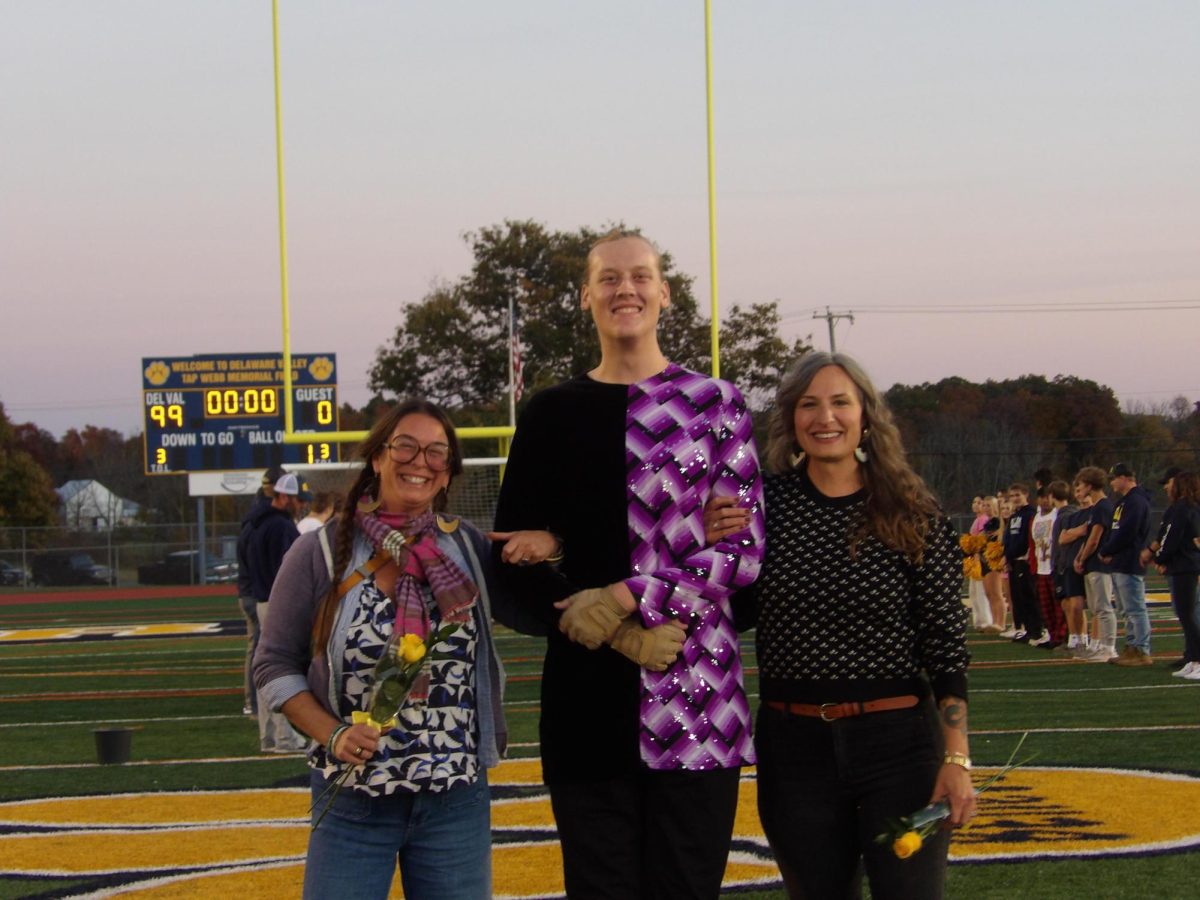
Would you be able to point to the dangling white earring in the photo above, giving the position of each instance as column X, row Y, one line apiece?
column 859, row 453
column 796, row 458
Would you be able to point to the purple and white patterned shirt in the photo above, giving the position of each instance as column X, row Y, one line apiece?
column 688, row 437
column 621, row 473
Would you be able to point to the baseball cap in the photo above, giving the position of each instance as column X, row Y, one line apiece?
column 1171, row 472
column 1121, row 469
column 271, row 476
column 291, row 484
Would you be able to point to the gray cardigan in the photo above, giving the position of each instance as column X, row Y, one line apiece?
column 284, row 667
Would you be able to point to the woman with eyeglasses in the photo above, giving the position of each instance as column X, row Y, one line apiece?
column 418, row 794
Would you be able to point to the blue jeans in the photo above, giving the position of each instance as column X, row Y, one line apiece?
column 1185, row 595
column 1131, row 597
column 442, row 841
column 826, row 789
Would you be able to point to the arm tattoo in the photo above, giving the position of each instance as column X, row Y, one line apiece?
column 954, row 714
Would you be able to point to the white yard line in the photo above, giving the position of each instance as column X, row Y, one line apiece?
column 84, row 722
column 975, row 731
column 1086, row 690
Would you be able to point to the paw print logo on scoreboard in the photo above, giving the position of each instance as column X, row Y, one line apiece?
column 321, row 368
column 157, row 373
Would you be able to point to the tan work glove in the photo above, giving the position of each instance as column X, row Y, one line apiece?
column 651, row 648
column 591, row 617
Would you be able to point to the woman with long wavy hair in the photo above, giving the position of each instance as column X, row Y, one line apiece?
column 860, row 633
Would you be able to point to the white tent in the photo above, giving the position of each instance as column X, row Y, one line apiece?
column 89, row 505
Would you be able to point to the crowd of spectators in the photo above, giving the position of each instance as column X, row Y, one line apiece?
column 1060, row 571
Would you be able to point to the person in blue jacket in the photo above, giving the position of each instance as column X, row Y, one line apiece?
column 246, row 601
column 1121, row 550
column 271, row 532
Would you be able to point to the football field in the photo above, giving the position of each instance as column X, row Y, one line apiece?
column 1110, row 807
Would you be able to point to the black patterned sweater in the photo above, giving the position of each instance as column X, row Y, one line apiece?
column 833, row 628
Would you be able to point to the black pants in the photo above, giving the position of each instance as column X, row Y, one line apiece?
column 654, row 835
column 826, row 789
column 1186, row 598
column 1024, row 599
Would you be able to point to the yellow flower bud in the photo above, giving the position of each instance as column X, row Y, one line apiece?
column 907, row 844
column 412, row 648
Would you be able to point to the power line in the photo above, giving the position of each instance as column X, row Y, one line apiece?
column 997, row 309
column 1159, row 451
column 934, row 311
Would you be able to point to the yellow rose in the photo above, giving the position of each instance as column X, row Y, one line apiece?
column 907, row 844
column 412, row 648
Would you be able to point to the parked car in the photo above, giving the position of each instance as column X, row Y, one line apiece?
column 11, row 574
column 61, row 567
column 182, row 567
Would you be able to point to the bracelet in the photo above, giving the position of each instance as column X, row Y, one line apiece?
column 333, row 737
column 557, row 555
column 957, row 759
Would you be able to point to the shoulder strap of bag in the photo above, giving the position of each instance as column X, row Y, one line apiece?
column 375, row 562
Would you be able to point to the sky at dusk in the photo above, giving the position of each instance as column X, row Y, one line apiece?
column 936, row 168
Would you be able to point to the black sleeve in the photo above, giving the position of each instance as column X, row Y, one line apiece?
column 744, row 603
column 504, row 607
column 1180, row 525
column 941, row 617
column 525, row 503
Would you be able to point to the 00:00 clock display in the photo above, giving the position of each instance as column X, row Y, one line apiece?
column 246, row 402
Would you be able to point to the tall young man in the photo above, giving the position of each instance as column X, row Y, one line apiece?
column 642, row 766
column 1097, row 579
column 1121, row 550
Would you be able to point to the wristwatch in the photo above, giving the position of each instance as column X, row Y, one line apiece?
column 957, row 759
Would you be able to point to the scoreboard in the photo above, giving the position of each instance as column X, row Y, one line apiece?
column 225, row 412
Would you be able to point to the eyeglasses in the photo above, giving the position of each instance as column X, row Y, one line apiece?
column 405, row 450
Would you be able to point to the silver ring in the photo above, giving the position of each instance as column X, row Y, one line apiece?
column 524, row 561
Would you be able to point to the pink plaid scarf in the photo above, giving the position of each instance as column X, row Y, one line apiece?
column 412, row 543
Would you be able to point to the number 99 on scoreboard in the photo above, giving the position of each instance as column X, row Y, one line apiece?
column 225, row 412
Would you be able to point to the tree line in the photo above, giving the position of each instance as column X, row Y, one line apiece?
column 966, row 438
column 451, row 346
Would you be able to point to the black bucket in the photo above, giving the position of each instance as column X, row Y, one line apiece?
column 112, row 744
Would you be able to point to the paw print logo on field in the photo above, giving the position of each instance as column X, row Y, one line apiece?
column 157, row 373
column 321, row 368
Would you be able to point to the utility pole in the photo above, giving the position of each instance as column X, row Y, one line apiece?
column 831, row 317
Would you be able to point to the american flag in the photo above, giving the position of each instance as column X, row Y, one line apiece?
column 518, row 379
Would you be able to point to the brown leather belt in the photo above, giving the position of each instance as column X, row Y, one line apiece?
column 828, row 712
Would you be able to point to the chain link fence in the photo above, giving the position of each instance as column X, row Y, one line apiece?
column 142, row 554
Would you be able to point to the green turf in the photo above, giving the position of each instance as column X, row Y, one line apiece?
column 1072, row 709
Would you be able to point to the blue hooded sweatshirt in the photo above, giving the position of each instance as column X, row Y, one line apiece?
column 1130, row 532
